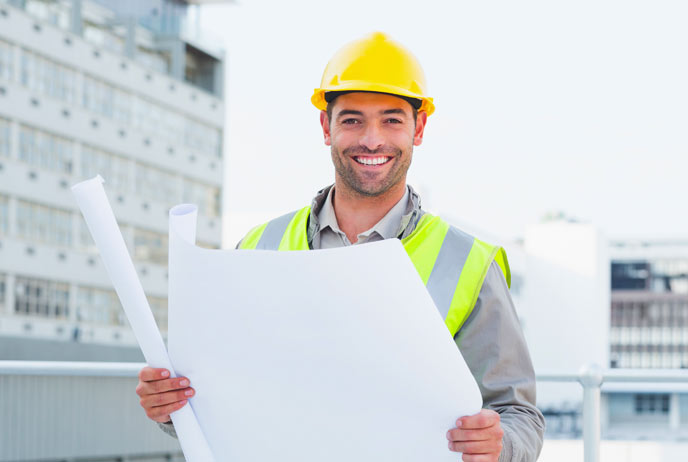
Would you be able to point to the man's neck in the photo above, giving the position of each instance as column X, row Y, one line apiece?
column 356, row 214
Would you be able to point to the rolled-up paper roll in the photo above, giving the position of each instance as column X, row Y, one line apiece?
column 94, row 205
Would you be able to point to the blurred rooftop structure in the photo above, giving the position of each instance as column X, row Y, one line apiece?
column 164, row 35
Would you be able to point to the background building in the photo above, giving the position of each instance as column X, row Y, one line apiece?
column 132, row 91
column 649, row 329
column 618, row 303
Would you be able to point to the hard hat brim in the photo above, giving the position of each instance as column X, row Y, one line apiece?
column 318, row 98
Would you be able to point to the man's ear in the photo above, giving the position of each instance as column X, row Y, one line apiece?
column 325, row 123
column 421, row 120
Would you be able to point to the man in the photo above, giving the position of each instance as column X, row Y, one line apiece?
column 374, row 109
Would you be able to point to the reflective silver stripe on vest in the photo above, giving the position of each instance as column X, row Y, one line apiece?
column 447, row 269
column 274, row 231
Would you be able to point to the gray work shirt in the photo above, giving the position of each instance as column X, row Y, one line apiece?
column 329, row 235
column 490, row 340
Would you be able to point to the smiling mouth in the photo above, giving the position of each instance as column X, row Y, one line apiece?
column 378, row 160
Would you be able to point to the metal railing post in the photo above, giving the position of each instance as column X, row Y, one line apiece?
column 591, row 378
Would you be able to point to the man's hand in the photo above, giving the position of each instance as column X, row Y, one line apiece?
column 160, row 395
column 478, row 436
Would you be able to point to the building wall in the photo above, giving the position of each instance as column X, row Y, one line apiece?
column 71, row 107
column 564, row 303
column 78, row 418
column 95, row 96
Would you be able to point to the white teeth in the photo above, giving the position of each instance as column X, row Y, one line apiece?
column 372, row 160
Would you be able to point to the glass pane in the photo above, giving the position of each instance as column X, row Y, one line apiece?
column 43, row 224
column 6, row 61
column 45, row 150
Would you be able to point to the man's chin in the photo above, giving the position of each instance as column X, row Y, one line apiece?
column 372, row 191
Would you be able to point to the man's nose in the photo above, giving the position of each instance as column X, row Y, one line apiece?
column 372, row 137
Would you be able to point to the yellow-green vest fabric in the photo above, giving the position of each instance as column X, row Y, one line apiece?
column 451, row 263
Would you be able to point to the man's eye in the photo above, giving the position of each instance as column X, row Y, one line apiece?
column 394, row 121
column 350, row 121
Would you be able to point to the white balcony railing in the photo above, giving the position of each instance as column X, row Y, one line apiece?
column 590, row 377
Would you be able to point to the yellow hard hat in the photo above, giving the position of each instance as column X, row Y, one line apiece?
column 374, row 63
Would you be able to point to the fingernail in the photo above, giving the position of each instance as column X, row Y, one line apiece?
column 183, row 401
column 164, row 373
column 188, row 392
column 183, row 383
column 448, row 437
column 458, row 424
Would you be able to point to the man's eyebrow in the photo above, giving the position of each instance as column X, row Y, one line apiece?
column 349, row 112
column 359, row 113
column 394, row 111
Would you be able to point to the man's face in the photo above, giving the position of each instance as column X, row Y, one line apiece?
column 371, row 136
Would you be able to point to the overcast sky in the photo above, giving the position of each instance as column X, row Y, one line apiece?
column 580, row 107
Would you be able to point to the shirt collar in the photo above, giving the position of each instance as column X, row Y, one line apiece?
column 411, row 213
column 386, row 228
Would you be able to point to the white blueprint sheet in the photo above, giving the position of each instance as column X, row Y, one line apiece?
column 334, row 355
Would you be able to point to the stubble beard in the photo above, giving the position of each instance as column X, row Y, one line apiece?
column 355, row 180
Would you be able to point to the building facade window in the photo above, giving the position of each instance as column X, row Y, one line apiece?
column 6, row 61
column 56, row 13
column 4, row 137
column 86, row 242
column 648, row 329
column 97, row 97
column 4, row 215
column 99, row 306
column 47, row 77
column 103, row 36
column 152, row 58
column 157, row 184
column 3, row 291
column 206, row 197
column 655, row 403
column 107, row 100
column 39, row 297
column 114, row 169
column 661, row 275
column 203, row 138
column 670, row 275
column 46, row 151
column 43, row 224
column 176, row 129
column 172, row 127
column 150, row 246
column 147, row 116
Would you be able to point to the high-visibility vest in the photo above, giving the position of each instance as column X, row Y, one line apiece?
column 451, row 263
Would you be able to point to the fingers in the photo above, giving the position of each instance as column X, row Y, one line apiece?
column 161, row 395
column 471, row 447
column 148, row 373
column 478, row 437
column 482, row 426
column 164, row 399
column 161, row 386
column 478, row 451
column 484, row 419
column 483, row 434
column 478, row 458
column 162, row 413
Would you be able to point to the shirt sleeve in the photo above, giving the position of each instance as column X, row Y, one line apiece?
column 168, row 427
column 494, row 348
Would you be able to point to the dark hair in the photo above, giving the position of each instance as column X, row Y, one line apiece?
column 330, row 96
